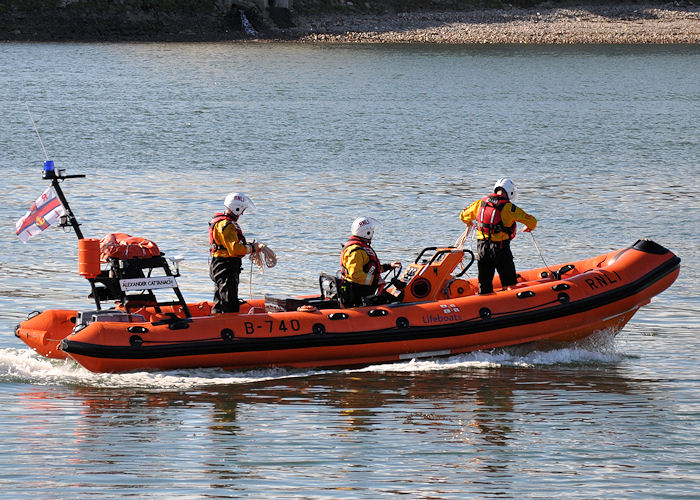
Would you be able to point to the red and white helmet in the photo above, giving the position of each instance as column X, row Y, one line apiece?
column 364, row 227
column 238, row 203
column 509, row 187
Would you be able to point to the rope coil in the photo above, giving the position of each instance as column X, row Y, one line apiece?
column 263, row 257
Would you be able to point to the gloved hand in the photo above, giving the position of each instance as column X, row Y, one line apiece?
column 396, row 263
column 527, row 230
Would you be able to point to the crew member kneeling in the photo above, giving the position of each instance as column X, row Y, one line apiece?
column 227, row 245
column 360, row 266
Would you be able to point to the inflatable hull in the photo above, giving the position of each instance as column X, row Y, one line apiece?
column 601, row 293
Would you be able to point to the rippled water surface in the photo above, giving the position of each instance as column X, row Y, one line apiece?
column 602, row 141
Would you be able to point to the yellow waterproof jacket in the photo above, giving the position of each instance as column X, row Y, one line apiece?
column 227, row 240
column 510, row 213
column 360, row 264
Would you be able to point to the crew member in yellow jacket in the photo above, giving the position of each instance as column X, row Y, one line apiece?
column 227, row 246
column 360, row 266
column 496, row 216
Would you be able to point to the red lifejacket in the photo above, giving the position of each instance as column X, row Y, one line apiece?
column 489, row 218
column 213, row 246
column 372, row 266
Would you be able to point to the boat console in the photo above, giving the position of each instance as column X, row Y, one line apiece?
column 429, row 277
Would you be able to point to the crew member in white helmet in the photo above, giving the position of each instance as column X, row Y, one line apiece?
column 227, row 245
column 496, row 216
column 360, row 266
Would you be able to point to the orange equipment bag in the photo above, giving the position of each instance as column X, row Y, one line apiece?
column 123, row 246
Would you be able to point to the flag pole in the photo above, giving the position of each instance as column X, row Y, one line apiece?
column 50, row 173
column 55, row 178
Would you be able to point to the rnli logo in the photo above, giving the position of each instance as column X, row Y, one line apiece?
column 41, row 222
column 363, row 222
column 603, row 279
column 448, row 313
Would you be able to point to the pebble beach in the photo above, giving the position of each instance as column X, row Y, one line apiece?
column 630, row 24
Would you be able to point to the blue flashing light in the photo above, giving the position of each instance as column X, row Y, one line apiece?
column 49, row 170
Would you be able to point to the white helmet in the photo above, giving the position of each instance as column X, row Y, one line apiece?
column 509, row 187
column 238, row 203
column 364, row 227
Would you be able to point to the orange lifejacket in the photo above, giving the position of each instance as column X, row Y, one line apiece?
column 218, row 217
column 123, row 246
column 489, row 219
column 372, row 266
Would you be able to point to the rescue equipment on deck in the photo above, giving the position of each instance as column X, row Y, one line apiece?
column 89, row 257
column 123, row 246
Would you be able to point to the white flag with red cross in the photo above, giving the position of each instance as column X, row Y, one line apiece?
column 46, row 210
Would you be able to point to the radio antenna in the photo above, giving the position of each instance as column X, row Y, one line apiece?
column 46, row 156
column 50, row 173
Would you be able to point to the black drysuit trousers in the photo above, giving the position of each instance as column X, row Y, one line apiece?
column 495, row 256
column 225, row 272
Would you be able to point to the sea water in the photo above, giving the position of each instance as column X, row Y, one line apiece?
column 602, row 142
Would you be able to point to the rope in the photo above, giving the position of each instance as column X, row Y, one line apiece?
column 538, row 251
column 262, row 257
column 463, row 239
column 250, row 280
column 464, row 236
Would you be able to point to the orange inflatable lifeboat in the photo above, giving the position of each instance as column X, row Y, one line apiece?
column 428, row 310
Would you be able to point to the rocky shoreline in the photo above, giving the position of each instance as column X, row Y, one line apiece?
column 620, row 24
column 343, row 21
